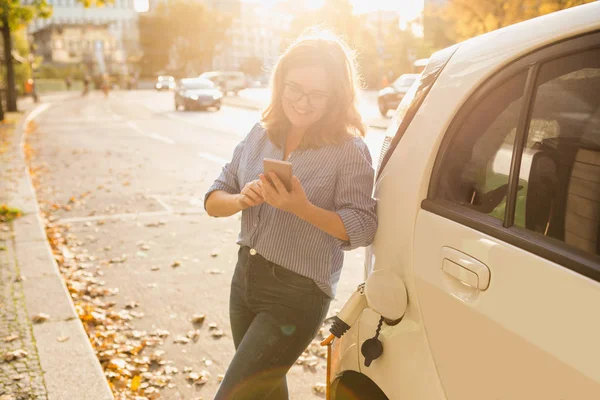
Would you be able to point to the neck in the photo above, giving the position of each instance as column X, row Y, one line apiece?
column 297, row 132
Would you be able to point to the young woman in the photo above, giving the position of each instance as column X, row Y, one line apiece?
column 292, row 242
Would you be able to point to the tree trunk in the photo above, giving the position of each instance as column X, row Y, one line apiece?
column 1, row 109
column 11, row 96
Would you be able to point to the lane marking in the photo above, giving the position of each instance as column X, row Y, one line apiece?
column 206, row 127
column 152, row 135
column 161, row 138
column 112, row 216
column 167, row 207
column 135, row 127
column 218, row 160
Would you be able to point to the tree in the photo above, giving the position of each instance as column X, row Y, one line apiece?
column 182, row 33
column 472, row 18
column 155, row 43
column 252, row 66
column 14, row 15
column 337, row 16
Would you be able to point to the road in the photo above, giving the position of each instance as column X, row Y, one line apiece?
column 129, row 162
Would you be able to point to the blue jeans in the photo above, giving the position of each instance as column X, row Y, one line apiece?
column 275, row 314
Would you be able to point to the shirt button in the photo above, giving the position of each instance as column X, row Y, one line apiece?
column 252, row 252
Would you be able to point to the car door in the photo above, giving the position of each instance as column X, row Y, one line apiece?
column 507, row 261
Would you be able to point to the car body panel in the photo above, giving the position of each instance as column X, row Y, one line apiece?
column 519, row 323
column 400, row 190
column 228, row 81
column 191, row 93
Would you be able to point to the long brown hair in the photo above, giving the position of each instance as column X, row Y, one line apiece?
column 341, row 119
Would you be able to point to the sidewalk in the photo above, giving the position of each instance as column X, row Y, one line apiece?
column 51, row 359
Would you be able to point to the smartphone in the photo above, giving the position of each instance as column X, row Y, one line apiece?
column 283, row 169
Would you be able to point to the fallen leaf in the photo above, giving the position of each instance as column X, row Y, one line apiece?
column 62, row 338
column 319, row 388
column 131, row 305
column 217, row 334
column 198, row 318
column 135, row 383
column 214, row 271
column 10, row 338
column 14, row 355
column 39, row 318
column 181, row 340
column 193, row 335
column 176, row 264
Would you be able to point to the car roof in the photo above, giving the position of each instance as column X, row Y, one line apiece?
column 197, row 80
column 216, row 73
column 481, row 56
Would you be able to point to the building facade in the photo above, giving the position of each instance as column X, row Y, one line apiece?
column 253, row 35
column 92, row 45
column 119, row 19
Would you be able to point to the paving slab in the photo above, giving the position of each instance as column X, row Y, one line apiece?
column 43, row 367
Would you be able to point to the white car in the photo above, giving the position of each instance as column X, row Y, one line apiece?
column 227, row 81
column 489, row 218
column 165, row 82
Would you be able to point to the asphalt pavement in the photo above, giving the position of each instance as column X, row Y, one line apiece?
column 120, row 182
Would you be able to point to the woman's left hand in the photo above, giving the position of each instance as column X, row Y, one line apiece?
column 294, row 201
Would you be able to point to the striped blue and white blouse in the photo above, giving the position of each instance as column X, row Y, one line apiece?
column 335, row 177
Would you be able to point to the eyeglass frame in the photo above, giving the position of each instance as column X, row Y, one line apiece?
column 303, row 93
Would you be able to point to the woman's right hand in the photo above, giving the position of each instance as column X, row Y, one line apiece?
column 251, row 195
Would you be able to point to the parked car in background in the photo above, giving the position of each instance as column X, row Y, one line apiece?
column 388, row 98
column 165, row 82
column 227, row 81
column 197, row 94
column 488, row 192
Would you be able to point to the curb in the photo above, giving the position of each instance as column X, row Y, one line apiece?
column 71, row 368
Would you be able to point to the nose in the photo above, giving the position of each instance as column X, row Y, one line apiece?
column 303, row 102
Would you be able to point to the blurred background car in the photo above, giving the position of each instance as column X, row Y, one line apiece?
column 227, row 81
column 197, row 93
column 165, row 82
column 388, row 98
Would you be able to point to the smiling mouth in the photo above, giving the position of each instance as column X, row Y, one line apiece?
column 301, row 112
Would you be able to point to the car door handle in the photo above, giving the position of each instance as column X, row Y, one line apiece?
column 465, row 268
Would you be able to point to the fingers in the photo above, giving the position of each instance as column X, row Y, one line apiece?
column 268, row 191
column 266, row 186
column 278, row 184
column 296, row 185
column 254, row 186
column 251, row 197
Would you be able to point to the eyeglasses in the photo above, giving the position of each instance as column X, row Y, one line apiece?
column 315, row 100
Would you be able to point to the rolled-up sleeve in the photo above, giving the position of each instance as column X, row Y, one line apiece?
column 228, row 180
column 354, row 202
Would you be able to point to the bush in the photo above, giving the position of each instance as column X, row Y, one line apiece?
column 49, row 71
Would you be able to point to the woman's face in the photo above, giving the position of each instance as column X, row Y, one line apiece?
column 306, row 95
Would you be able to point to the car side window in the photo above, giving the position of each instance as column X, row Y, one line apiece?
column 560, row 169
column 476, row 166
